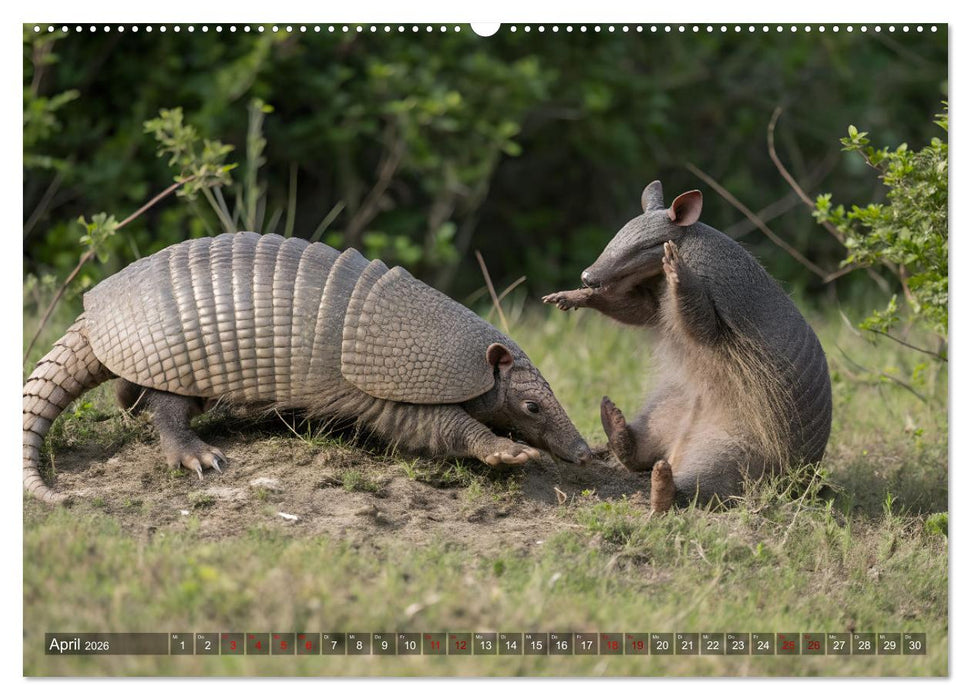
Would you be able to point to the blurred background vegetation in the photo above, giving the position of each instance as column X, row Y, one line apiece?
column 424, row 147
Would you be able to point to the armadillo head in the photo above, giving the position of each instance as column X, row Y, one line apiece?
column 522, row 403
column 635, row 252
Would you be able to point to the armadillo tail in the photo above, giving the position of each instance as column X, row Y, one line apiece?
column 66, row 372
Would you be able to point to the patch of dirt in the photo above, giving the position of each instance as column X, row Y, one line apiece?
column 290, row 485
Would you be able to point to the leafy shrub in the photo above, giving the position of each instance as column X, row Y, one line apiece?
column 908, row 233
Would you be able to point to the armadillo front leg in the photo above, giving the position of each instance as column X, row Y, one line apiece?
column 467, row 437
column 171, row 415
column 693, row 305
column 443, row 431
column 635, row 306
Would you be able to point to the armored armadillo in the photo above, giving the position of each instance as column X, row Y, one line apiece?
column 269, row 321
column 743, row 381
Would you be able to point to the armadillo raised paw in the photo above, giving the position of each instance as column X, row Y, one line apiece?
column 573, row 299
column 671, row 263
column 743, row 386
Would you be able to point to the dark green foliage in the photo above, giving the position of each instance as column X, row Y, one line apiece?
column 422, row 147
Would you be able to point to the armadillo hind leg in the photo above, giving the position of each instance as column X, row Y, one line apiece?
column 712, row 473
column 635, row 445
column 171, row 415
column 67, row 371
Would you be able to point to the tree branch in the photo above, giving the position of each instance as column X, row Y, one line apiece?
column 935, row 355
column 892, row 378
column 771, row 235
column 770, row 138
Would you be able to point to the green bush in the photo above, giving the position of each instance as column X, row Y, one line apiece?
column 908, row 234
column 424, row 147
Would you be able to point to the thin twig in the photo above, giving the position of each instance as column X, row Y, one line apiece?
column 155, row 200
column 57, row 297
column 218, row 191
column 785, row 203
column 492, row 291
column 284, row 421
column 935, row 355
column 843, row 271
column 90, row 254
column 770, row 138
column 767, row 213
column 42, row 205
column 771, row 235
column 223, row 216
column 892, row 378
column 387, row 168
column 327, row 221
column 512, row 287
column 291, row 203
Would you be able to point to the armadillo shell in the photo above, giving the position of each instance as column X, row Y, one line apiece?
column 263, row 318
column 405, row 341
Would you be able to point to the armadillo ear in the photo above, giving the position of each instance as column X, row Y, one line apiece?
column 498, row 355
column 686, row 208
column 652, row 197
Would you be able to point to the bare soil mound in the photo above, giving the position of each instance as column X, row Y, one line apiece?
column 312, row 486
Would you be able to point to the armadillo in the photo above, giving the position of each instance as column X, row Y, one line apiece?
column 743, row 388
column 272, row 321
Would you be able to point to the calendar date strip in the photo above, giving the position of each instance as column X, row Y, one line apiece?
column 487, row 643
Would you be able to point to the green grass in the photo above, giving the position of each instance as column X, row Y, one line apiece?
column 790, row 566
column 860, row 543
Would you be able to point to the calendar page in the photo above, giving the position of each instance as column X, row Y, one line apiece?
column 520, row 349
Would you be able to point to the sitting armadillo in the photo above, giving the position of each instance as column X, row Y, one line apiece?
column 269, row 321
column 744, row 387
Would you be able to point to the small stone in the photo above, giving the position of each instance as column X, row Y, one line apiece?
column 288, row 516
column 267, row 483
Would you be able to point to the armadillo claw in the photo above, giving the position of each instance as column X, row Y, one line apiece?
column 514, row 454
column 195, row 456
column 565, row 301
column 671, row 263
column 195, row 465
column 532, row 452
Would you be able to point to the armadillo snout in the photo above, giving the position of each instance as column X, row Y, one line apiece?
column 576, row 453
